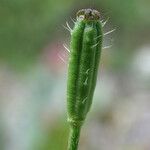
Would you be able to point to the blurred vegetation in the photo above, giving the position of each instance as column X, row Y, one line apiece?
column 53, row 137
column 2, row 137
column 26, row 26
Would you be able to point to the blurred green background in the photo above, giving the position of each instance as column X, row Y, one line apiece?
column 33, row 72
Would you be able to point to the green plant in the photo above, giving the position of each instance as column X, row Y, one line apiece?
column 85, row 51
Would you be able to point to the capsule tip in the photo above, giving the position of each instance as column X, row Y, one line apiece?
column 88, row 14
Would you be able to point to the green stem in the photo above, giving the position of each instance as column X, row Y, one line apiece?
column 74, row 137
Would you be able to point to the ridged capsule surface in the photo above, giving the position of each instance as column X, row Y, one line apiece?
column 85, row 51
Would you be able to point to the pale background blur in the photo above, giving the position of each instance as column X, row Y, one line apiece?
column 33, row 73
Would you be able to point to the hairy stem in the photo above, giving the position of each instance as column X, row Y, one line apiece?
column 74, row 137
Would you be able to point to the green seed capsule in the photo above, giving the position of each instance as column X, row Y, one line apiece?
column 85, row 50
